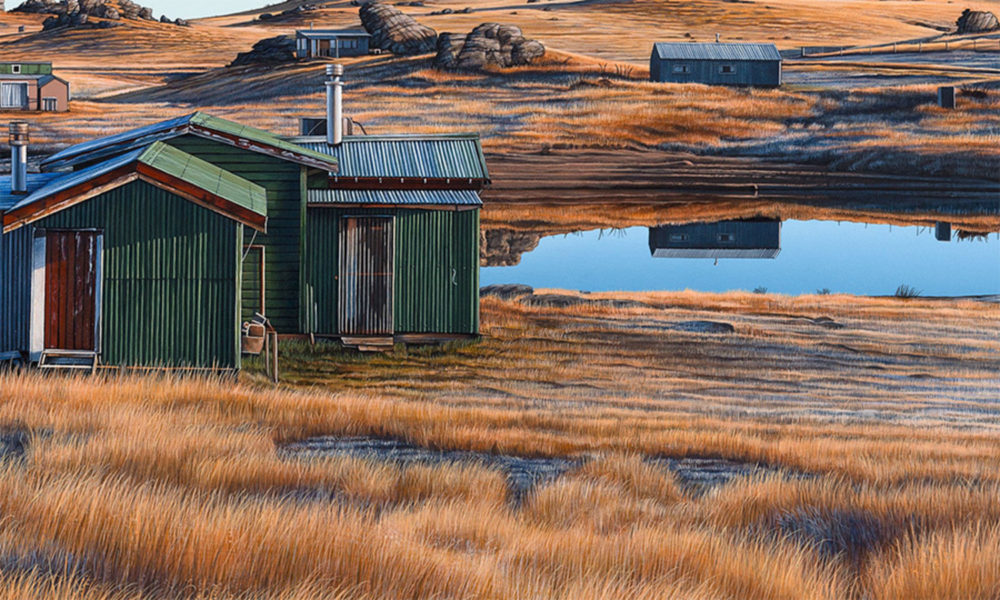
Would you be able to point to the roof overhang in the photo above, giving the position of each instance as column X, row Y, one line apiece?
column 35, row 209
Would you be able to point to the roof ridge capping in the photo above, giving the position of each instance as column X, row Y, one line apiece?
column 197, row 123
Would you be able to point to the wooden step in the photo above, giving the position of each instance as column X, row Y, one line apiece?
column 369, row 344
column 68, row 360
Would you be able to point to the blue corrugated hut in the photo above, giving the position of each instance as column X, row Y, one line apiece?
column 716, row 64
column 747, row 238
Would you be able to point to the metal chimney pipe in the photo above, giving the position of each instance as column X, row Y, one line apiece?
column 716, row 38
column 19, row 157
column 334, row 105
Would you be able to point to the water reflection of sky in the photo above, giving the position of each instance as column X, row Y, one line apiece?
column 844, row 257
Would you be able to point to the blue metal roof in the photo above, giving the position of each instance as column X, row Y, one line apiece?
column 416, row 197
column 322, row 34
column 716, row 51
column 413, row 156
column 194, row 123
column 35, row 181
column 165, row 159
column 64, row 181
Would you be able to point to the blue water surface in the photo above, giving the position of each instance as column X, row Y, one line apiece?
column 854, row 258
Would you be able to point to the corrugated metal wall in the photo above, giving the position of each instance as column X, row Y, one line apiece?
column 285, row 185
column 436, row 270
column 170, row 287
column 366, row 276
column 750, row 73
column 15, row 289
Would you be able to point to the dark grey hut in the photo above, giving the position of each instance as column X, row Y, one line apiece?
column 716, row 64
column 753, row 238
column 331, row 43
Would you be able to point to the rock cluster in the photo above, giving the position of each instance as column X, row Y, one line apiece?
column 287, row 14
column 77, row 13
column 977, row 21
column 396, row 32
column 488, row 45
column 271, row 51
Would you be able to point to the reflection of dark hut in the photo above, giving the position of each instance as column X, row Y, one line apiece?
column 753, row 238
column 942, row 231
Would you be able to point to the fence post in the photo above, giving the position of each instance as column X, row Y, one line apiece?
column 920, row 47
column 894, row 47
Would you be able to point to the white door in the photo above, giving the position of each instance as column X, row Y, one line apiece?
column 14, row 95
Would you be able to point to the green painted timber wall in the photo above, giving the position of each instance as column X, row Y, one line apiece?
column 15, row 289
column 436, row 269
column 7, row 68
column 285, row 185
column 170, row 287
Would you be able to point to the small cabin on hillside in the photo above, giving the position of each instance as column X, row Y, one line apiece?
column 331, row 43
column 749, row 238
column 716, row 64
column 31, row 86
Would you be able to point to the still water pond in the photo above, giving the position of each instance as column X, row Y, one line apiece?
column 793, row 257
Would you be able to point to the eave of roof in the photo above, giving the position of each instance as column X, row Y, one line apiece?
column 383, row 197
column 34, row 182
column 199, row 124
column 158, row 164
column 320, row 33
column 716, row 252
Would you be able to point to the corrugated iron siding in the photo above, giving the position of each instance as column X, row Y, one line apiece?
column 170, row 290
column 285, row 187
column 15, row 289
column 436, row 270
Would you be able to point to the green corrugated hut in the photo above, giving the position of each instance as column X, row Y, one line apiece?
column 392, row 240
column 133, row 261
column 193, row 224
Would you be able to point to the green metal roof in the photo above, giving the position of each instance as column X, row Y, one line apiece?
column 439, row 156
column 206, row 176
column 198, row 123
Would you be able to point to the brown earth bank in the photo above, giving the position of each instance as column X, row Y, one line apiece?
column 624, row 175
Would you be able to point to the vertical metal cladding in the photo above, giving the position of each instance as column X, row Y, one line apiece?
column 436, row 269
column 366, row 276
column 15, row 289
column 284, row 182
column 170, row 292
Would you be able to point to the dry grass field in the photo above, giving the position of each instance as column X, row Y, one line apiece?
column 870, row 427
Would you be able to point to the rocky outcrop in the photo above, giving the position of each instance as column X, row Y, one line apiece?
column 977, row 21
column 272, row 51
column 396, row 32
column 488, row 45
column 77, row 13
column 504, row 247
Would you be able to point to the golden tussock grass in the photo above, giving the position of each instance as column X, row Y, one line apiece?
column 876, row 484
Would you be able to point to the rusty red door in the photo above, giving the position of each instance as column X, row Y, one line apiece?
column 71, row 290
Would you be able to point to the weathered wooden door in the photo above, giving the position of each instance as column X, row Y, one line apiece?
column 71, row 290
column 366, row 281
